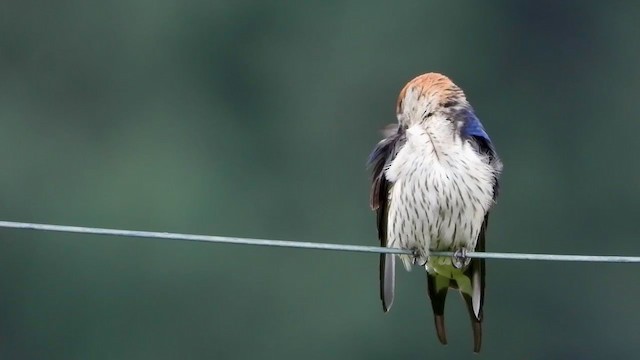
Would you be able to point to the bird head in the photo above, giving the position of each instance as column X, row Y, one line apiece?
column 434, row 96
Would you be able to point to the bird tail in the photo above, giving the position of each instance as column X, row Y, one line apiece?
column 437, row 287
column 471, row 286
column 474, row 298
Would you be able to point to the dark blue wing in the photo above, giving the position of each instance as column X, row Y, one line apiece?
column 477, row 136
column 379, row 160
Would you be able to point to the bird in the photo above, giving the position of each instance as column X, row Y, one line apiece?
column 434, row 180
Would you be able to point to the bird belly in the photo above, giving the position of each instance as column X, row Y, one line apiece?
column 440, row 195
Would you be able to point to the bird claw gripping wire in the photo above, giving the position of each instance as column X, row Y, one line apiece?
column 460, row 259
column 417, row 256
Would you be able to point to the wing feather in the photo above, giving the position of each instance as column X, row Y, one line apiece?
column 476, row 271
column 379, row 160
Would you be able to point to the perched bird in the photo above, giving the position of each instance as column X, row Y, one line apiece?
column 435, row 178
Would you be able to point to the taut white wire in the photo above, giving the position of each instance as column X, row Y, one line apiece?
column 308, row 245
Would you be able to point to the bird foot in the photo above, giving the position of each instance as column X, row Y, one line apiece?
column 418, row 257
column 460, row 259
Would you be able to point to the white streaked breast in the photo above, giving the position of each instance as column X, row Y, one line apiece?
column 441, row 193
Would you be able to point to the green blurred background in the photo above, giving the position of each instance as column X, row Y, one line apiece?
column 255, row 119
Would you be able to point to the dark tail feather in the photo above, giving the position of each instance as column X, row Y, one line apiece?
column 476, row 324
column 437, row 287
column 476, row 273
column 475, row 300
column 387, row 280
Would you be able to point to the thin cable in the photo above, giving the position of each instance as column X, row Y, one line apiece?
column 308, row 245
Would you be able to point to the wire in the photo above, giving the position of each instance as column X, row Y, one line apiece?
column 308, row 245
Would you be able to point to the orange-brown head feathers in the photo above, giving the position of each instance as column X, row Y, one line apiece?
column 426, row 95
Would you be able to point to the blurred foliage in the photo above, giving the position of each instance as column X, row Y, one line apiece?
column 255, row 118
